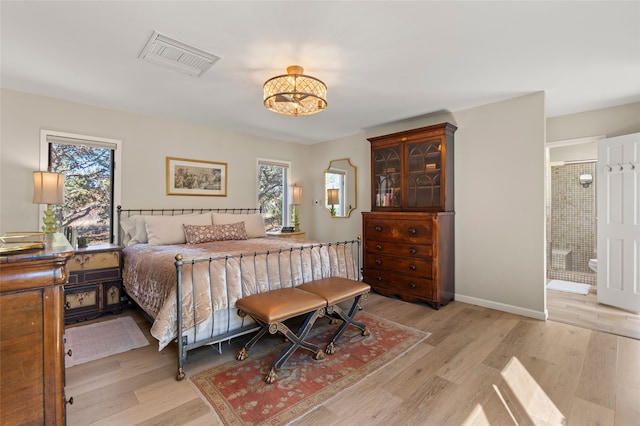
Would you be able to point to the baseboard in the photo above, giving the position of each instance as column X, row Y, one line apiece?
column 539, row 315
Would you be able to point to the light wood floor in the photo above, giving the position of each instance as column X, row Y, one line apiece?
column 585, row 311
column 479, row 367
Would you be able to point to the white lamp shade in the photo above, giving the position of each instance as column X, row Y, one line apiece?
column 296, row 195
column 48, row 188
column 333, row 197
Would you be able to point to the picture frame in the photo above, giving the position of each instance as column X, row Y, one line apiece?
column 196, row 177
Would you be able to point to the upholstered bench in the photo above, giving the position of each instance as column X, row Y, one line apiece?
column 336, row 290
column 313, row 299
column 270, row 309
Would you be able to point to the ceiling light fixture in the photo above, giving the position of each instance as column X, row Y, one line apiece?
column 295, row 93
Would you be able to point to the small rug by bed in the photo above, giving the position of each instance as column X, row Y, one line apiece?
column 101, row 339
column 569, row 287
column 237, row 391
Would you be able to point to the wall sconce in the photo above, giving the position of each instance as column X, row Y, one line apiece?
column 585, row 180
column 48, row 188
column 296, row 198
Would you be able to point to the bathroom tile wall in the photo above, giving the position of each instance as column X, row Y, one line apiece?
column 572, row 221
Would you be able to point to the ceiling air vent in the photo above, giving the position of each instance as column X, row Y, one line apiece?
column 170, row 53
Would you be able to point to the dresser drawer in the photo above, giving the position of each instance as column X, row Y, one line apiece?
column 89, row 301
column 390, row 284
column 85, row 276
column 424, row 251
column 98, row 260
column 83, row 298
column 409, row 266
column 408, row 231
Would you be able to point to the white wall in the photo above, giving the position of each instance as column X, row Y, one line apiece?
column 499, row 199
column 147, row 141
column 499, row 177
column 609, row 122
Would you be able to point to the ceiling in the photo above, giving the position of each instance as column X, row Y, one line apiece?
column 382, row 61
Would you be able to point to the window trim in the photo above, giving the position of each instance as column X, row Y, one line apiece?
column 282, row 163
column 70, row 138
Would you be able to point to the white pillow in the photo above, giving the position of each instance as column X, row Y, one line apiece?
column 135, row 231
column 253, row 223
column 163, row 230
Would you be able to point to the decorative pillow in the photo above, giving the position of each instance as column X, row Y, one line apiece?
column 163, row 230
column 253, row 223
column 134, row 229
column 201, row 234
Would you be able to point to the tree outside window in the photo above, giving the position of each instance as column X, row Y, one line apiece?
column 272, row 193
column 88, row 189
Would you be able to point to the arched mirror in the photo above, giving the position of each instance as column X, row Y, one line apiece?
column 340, row 187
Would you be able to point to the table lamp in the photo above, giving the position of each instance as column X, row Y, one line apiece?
column 332, row 200
column 48, row 188
column 296, row 198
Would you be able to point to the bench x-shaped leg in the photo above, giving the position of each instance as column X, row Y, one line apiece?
column 347, row 320
column 295, row 341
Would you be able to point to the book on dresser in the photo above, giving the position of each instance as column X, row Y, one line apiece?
column 408, row 237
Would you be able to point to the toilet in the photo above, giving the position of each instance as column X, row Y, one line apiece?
column 593, row 264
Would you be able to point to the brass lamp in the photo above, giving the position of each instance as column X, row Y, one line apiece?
column 295, row 93
column 333, row 199
column 48, row 188
column 296, row 198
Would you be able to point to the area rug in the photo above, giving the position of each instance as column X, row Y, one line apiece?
column 569, row 287
column 237, row 392
column 98, row 340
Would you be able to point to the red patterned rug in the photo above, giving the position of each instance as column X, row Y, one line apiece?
column 238, row 393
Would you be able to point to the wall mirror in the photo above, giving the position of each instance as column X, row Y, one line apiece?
column 340, row 187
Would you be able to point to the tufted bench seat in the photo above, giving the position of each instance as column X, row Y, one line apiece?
column 313, row 299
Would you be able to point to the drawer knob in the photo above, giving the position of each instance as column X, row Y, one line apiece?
column 67, row 305
column 378, row 246
column 412, row 285
column 413, row 250
column 378, row 262
column 379, row 228
column 378, row 278
column 412, row 230
column 69, row 401
column 412, row 267
column 69, row 352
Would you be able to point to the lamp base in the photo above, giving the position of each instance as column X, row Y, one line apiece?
column 294, row 218
column 49, row 220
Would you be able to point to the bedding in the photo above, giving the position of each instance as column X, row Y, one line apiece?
column 215, row 274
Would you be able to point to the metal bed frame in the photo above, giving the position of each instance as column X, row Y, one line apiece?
column 350, row 251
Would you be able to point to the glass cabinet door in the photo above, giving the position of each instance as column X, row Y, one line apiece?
column 387, row 176
column 424, row 174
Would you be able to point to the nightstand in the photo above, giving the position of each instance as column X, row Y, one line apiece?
column 94, row 283
column 300, row 235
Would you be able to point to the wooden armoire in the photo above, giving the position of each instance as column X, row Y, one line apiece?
column 409, row 233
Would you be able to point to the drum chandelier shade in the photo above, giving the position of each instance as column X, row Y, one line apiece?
column 295, row 93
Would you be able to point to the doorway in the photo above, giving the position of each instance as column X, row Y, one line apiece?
column 571, row 235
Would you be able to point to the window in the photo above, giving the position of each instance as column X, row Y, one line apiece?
column 91, row 183
column 273, row 181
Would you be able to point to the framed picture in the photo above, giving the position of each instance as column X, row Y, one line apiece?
column 195, row 177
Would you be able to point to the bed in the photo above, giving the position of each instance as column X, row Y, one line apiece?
column 185, row 268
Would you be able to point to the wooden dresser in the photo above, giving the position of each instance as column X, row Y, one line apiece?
column 408, row 242
column 410, row 255
column 31, row 339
